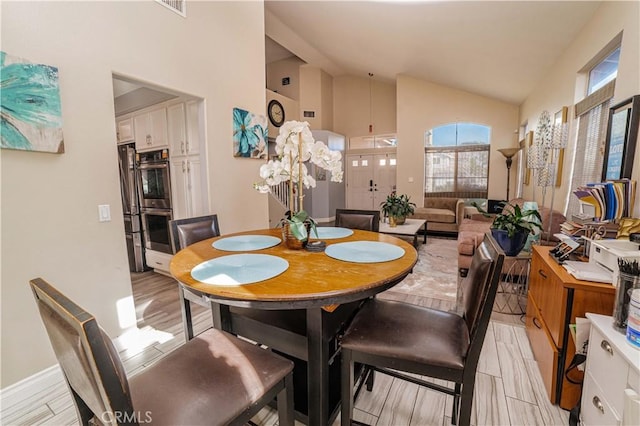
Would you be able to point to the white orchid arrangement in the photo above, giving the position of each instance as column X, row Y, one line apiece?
column 295, row 146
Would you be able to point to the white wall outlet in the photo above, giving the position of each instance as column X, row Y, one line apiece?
column 104, row 213
column 410, row 180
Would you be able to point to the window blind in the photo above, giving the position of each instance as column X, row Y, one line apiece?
column 457, row 172
column 593, row 115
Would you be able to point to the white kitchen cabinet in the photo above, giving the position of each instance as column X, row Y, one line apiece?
column 125, row 130
column 192, row 145
column 612, row 369
column 176, row 122
column 150, row 130
column 183, row 124
column 186, row 180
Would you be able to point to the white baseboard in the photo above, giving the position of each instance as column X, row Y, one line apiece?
column 17, row 392
column 324, row 219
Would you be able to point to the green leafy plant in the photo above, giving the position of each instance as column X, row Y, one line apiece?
column 514, row 219
column 397, row 205
column 300, row 224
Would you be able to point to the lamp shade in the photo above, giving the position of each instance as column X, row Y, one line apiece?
column 509, row 152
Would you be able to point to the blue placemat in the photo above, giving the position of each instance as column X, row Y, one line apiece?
column 329, row 232
column 364, row 251
column 238, row 269
column 246, row 242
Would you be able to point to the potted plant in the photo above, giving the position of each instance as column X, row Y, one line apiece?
column 397, row 208
column 512, row 226
column 295, row 146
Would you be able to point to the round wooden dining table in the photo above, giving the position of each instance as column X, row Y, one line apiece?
column 313, row 281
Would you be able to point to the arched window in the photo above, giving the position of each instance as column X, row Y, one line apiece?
column 457, row 160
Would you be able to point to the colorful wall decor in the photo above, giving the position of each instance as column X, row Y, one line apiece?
column 30, row 112
column 249, row 134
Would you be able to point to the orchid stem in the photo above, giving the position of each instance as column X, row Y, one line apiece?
column 300, row 195
column 292, row 199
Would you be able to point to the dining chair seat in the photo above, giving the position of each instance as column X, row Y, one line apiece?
column 382, row 328
column 214, row 370
column 214, row 378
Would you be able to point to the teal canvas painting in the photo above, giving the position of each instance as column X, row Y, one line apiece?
column 30, row 112
column 249, row 134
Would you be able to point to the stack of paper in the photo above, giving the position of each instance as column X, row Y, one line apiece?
column 588, row 271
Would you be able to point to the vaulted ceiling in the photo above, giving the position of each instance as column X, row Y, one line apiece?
column 500, row 49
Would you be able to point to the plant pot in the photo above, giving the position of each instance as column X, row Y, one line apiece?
column 511, row 246
column 290, row 240
column 396, row 220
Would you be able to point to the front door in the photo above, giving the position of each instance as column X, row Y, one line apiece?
column 370, row 178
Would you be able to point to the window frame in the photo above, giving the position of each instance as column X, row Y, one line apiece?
column 457, row 192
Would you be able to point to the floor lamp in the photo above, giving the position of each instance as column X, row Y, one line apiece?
column 508, row 154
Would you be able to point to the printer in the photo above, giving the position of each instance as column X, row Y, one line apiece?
column 605, row 253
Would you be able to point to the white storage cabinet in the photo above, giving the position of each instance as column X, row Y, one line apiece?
column 612, row 377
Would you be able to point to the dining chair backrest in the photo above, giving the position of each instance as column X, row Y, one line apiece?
column 367, row 220
column 89, row 362
column 185, row 232
column 479, row 290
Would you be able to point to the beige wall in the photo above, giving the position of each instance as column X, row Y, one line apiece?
column 423, row 105
column 276, row 71
column 351, row 115
column 290, row 110
column 310, row 95
column 50, row 222
column 560, row 87
column 326, row 100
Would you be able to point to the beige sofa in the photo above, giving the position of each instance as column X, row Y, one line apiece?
column 441, row 214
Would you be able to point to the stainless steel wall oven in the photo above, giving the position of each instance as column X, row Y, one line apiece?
column 153, row 179
column 155, row 223
column 155, row 199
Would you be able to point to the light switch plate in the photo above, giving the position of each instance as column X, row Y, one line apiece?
column 104, row 213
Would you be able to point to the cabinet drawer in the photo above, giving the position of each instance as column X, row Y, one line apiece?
column 543, row 347
column 594, row 408
column 608, row 368
column 157, row 260
column 548, row 292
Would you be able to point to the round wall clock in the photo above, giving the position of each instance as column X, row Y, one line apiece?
column 275, row 110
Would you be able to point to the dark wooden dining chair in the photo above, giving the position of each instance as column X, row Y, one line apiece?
column 395, row 338
column 215, row 378
column 185, row 232
column 366, row 220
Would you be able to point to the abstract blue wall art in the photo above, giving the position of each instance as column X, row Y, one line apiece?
column 249, row 134
column 30, row 113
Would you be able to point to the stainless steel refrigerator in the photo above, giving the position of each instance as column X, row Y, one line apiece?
column 131, row 207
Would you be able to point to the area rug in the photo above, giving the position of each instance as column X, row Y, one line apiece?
column 436, row 274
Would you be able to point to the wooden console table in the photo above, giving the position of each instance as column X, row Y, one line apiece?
column 555, row 299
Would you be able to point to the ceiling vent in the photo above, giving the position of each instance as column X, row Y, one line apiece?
column 178, row 6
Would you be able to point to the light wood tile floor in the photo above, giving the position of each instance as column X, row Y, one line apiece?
column 509, row 389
